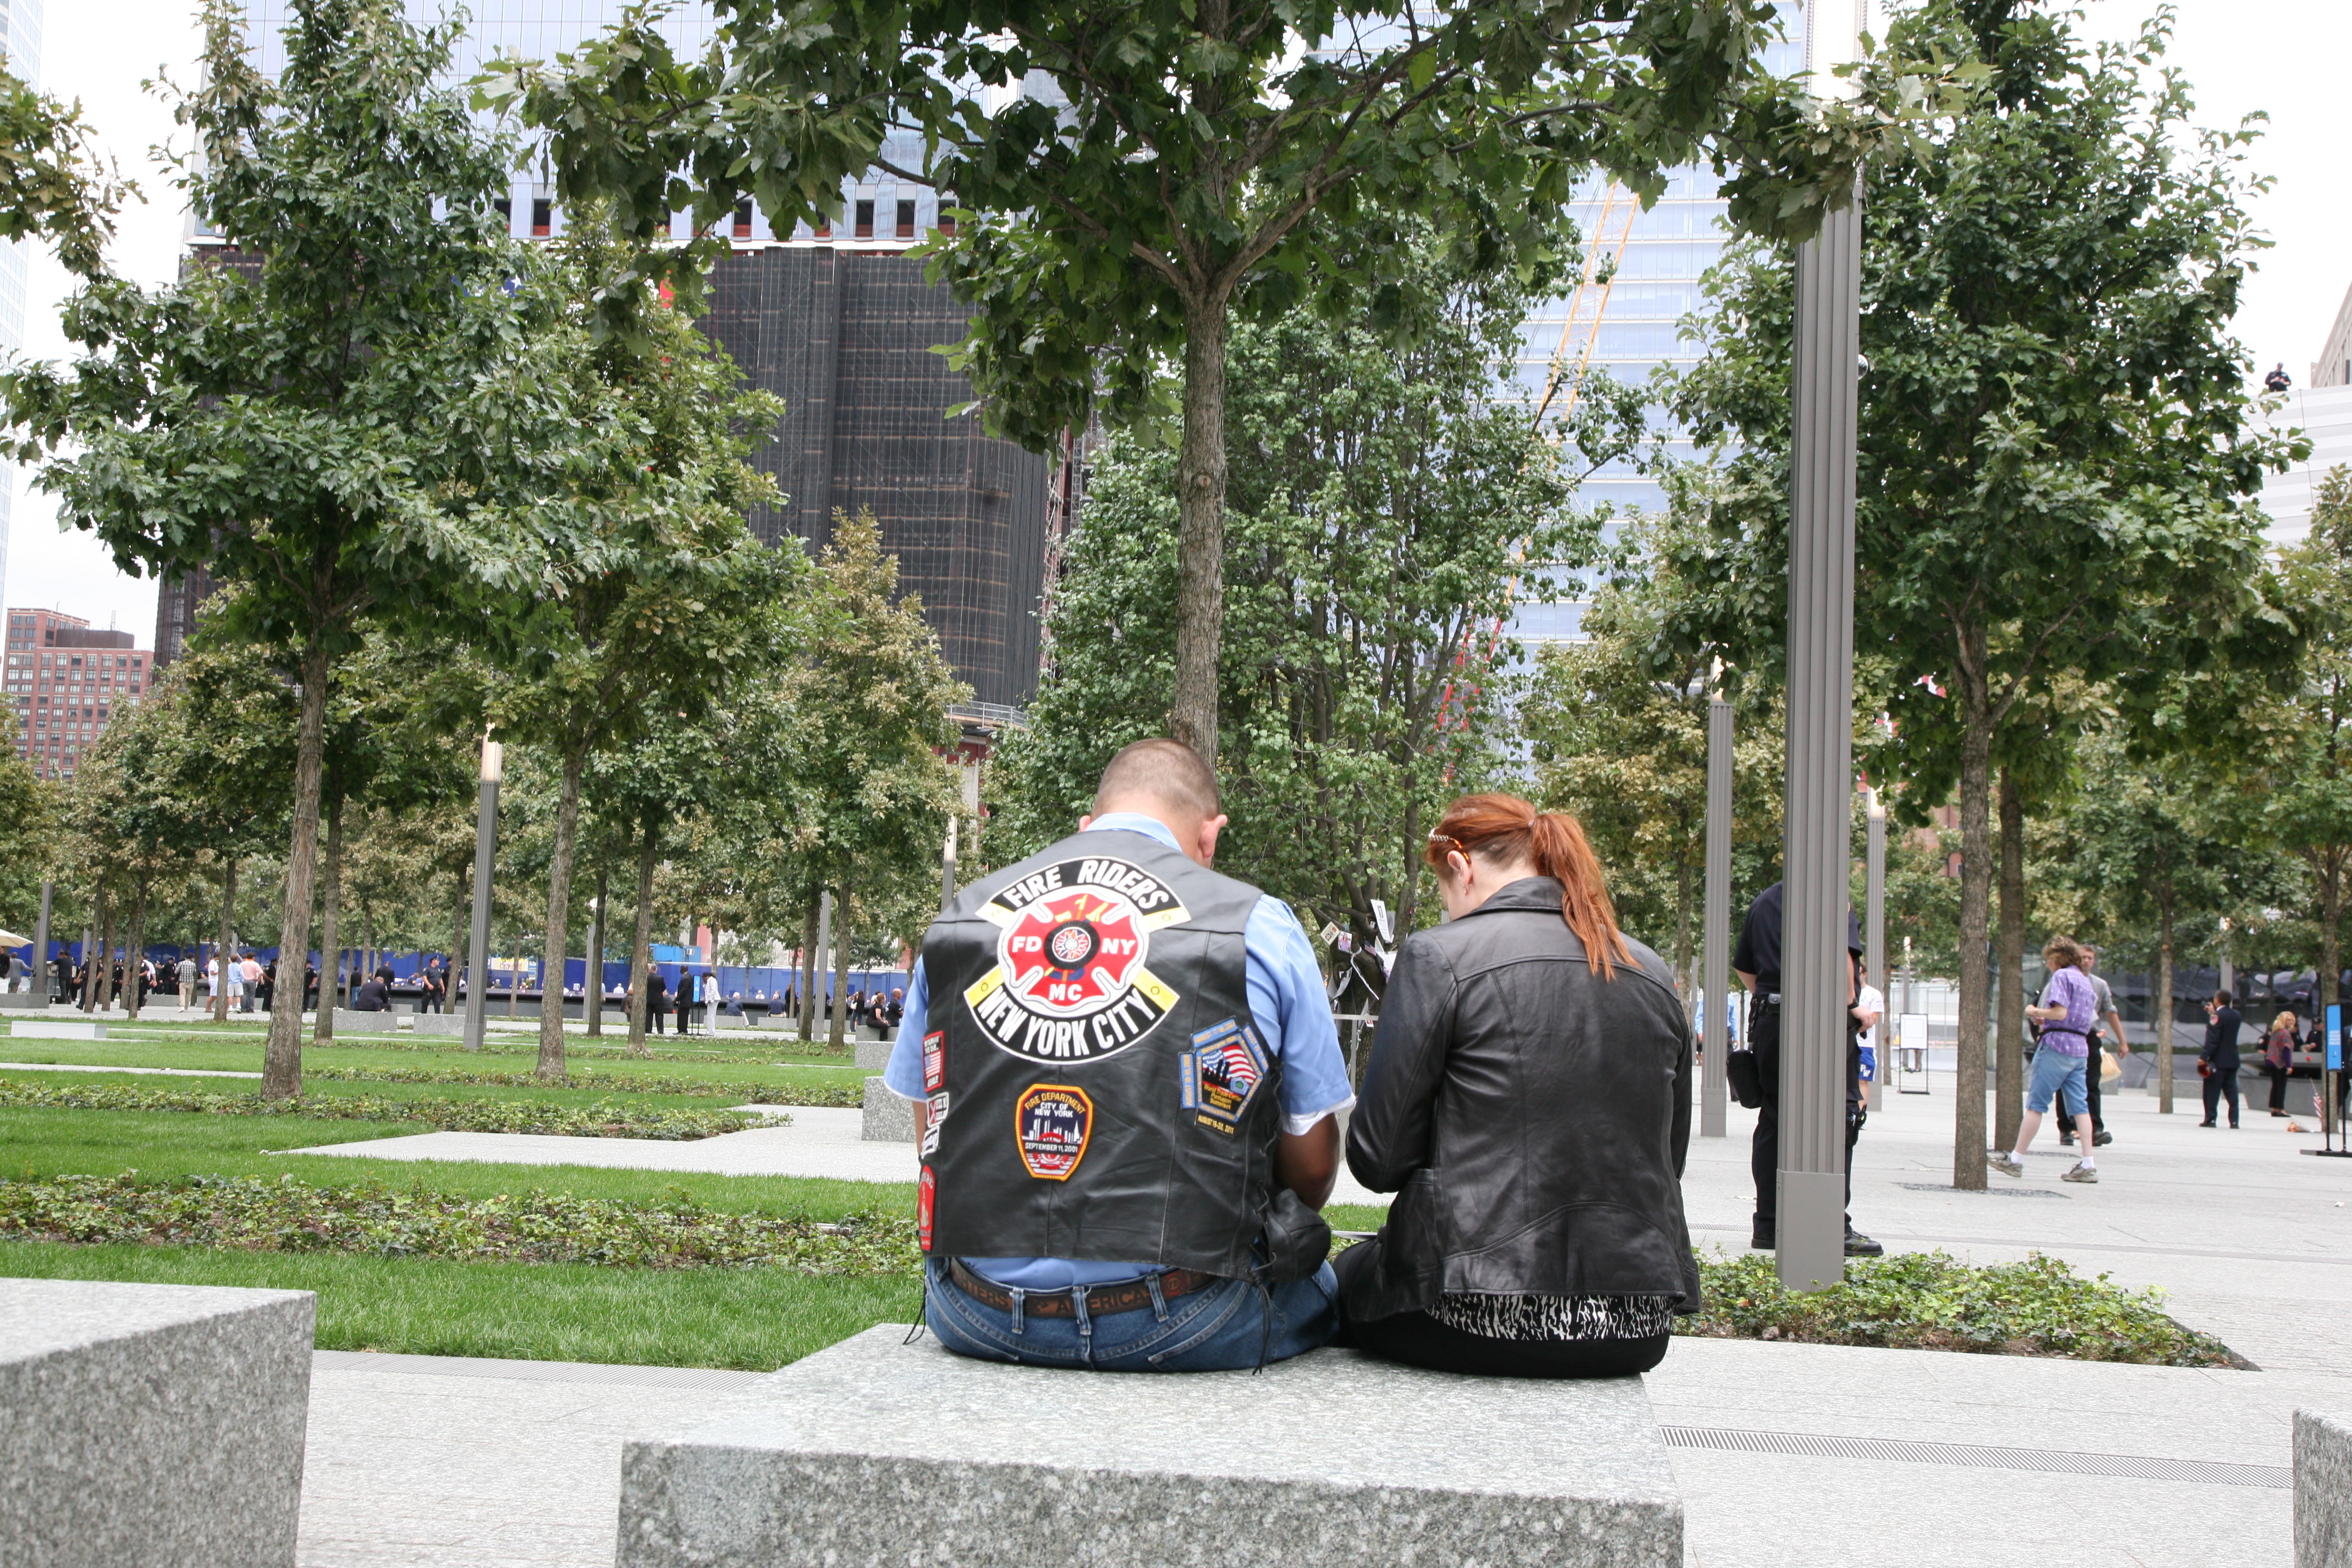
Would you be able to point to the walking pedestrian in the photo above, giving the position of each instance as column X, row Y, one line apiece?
column 685, row 1000
column 2067, row 1013
column 2218, row 1060
column 249, row 971
column 233, row 976
column 2278, row 1059
column 657, row 1000
column 2109, row 1024
column 1869, row 1007
column 187, row 977
column 1757, row 962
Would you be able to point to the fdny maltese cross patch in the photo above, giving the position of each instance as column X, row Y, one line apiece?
column 1070, row 983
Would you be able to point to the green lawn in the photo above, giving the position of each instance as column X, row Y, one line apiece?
column 752, row 1318
column 163, row 1146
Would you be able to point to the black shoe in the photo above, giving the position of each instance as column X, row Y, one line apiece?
column 2103, row 1140
column 1860, row 1246
column 2209, row 1125
column 2065, row 1140
column 1763, row 1239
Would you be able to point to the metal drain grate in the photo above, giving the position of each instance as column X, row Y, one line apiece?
column 2210, row 1472
column 1981, row 1192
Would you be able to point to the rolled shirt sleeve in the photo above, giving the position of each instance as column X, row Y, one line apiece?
column 904, row 1075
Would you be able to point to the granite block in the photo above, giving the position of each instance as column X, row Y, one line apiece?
column 878, row 1451
column 439, row 1023
column 873, row 1056
column 2323, row 1490
column 350, row 1021
column 155, row 1425
column 57, row 1028
column 889, row 1119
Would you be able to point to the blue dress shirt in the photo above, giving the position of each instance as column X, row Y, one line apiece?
column 1286, row 1001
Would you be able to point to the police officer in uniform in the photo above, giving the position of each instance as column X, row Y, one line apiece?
column 1757, row 962
column 1127, row 1082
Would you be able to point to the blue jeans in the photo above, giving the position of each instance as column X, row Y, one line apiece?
column 2061, row 1076
column 1221, row 1328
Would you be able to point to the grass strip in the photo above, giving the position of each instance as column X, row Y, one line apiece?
column 383, row 1221
column 1931, row 1300
column 838, row 1095
column 604, row 1120
column 749, row 1319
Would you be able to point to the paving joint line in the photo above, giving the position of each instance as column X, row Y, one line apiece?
column 1970, row 1456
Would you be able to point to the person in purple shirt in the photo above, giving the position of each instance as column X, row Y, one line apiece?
column 2067, row 1013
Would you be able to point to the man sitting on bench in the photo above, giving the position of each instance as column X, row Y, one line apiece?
column 1126, row 1081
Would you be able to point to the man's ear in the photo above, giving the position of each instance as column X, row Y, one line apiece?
column 1085, row 822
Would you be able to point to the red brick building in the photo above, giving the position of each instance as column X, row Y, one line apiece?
column 65, row 679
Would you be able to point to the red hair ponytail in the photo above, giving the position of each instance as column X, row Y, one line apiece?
column 1502, row 828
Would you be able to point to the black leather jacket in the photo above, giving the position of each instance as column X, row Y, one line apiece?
column 1531, row 1117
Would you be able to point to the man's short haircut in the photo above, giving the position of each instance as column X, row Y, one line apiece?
column 1165, row 771
column 2223, row 998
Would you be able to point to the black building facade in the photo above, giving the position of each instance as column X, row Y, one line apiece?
column 845, row 337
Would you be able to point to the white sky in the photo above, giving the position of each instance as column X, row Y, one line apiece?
column 2284, row 56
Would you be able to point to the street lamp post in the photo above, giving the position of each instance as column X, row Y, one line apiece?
column 486, row 844
column 41, row 970
column 1715, row 911
column 1818, row 791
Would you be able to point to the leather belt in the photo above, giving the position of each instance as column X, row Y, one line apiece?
column 1121, row 1295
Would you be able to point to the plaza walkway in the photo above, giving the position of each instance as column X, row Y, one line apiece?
column 1794, row 1455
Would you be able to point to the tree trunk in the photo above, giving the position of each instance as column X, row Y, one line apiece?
column 136, row 956
column 559, row 920
column 2164, row 1007
column 838, row 1036
column 105, row 976
column 228, row 940
column 458, row 938
column 2331, row 925
column 810, row 958
column 1976, row 898
column 281, row 1068
column 2009, row 1017
column 89, row 953
column 592, row 976
column 330, row 910
column 1201, row 539
column 641, row 939
column 1683, row 935
column 514, row 984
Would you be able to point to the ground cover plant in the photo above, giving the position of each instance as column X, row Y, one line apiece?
column 1931, row 1300
column 603, row 1119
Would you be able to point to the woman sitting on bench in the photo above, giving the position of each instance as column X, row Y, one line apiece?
column 1528, row 1100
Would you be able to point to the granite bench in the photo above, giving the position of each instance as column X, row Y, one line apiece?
column 58, row 1029
column 155, row 1425
column 2323, row 1490
column 880, row 1451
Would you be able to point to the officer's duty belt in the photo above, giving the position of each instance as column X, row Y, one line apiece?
column 1121, row 1295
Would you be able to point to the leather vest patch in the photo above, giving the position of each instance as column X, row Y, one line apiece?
column 1070, row 981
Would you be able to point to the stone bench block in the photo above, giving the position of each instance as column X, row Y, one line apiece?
column 349, row 1021
column 873, row 1056
column 58, row 1029
column 2323, row 1490
column 439, row 1023
column 35, row 1000
column 877, row 1451
column 156, row 1425
column 889, row 1119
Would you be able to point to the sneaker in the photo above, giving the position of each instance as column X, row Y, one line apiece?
column 1860, row 1246
column 2065, row 1140
column 1761, row 1239
column 2103, row 1140
column 2081, row 1173
column 2007, row 1164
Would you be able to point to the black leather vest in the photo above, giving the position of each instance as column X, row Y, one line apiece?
column 1098, row 1086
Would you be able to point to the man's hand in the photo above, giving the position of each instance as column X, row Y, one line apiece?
column 1308, row 1162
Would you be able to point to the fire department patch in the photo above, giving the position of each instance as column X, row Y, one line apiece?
column 1052, row 1122
column 925, row 1191
column 1070, row 983
column 937, row 1106
column 935, row 1061
column 1221, row 1072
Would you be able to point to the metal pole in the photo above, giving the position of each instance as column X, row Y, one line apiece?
column 486, row 844
column 1820, row 787
column 947, row 867
column 1715, row 911
column 42, row 973
column 1873, row 939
